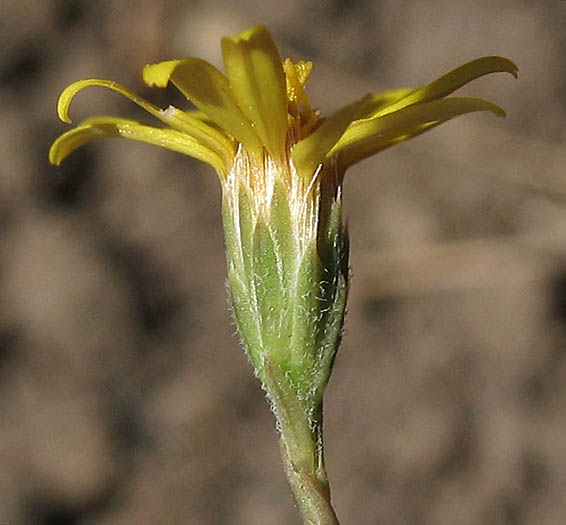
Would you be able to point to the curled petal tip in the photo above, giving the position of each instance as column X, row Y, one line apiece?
column 509, row 66
column 492, row 64
column 53, row 157
column 64, row 116
column 65, row 101
column 514, row 69
column 500, row 112
column 158, row 75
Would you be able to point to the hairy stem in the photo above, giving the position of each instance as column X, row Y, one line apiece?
column 303, row 463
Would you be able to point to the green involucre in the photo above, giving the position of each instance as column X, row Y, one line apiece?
column 288, row 298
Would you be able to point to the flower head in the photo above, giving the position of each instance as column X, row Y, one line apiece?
column 281, row 166
column 254, row 125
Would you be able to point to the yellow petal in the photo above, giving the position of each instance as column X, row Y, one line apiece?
column 209, row 90
column 108, row 127
column 384, row 99
column 71, row 90
column 199, row 130
column 452, row 81
column 370, row 135
column 311, row 151
column 205, row 133
column 202, row 116
column 363, row 150
column 256, row 77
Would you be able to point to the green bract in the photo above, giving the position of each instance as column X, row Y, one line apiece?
column 287, row 274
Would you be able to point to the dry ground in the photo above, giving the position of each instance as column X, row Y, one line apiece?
column 124, row 395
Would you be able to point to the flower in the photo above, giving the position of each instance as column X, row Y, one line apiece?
column 281, row 166
column 276, row 158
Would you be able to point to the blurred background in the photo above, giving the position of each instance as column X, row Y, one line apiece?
column 124, row 395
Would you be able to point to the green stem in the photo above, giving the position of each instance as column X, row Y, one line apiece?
column 307, row 479
column 301, row 447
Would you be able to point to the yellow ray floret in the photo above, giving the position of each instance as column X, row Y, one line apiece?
column 260, row 104
column 209, row 90
column 108, row 127
column 256, row 76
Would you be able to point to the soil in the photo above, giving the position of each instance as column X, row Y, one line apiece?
column 125, row 397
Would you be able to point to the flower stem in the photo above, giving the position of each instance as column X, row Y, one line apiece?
column 308, row 480
column 301, row 447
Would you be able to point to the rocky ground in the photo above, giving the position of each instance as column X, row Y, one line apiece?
column 124, row 395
